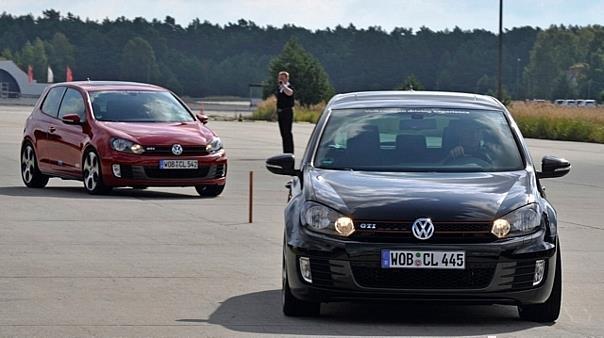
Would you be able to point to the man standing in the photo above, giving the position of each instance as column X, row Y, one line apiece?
column 285, row 111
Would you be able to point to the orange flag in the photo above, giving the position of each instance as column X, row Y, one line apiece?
column 68, row 75
column 30, row 74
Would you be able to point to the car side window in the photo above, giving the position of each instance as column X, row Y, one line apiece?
column 73, row 103
column 52, row 101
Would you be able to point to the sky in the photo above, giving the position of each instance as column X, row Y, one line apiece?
column 319, row 14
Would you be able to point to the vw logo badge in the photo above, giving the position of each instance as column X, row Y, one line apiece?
column 176, row 149
column 422, row 228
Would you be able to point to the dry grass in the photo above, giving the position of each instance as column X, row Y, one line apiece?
column 267, row 110
column 548, row 121
column 536, row 120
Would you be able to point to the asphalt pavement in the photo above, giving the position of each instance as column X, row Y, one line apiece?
column 163, row 262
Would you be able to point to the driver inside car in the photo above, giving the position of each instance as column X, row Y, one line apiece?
column 470, row 143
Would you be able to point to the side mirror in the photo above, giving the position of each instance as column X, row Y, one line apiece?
column 552, row 166
column 282, row 165
column 203, row 118
column 71, row 119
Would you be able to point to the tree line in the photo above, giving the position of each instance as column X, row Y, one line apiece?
column 205, row 59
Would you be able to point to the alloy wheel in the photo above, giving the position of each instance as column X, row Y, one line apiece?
column 91, row 171
column 28, row 164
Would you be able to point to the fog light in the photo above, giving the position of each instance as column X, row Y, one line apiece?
column 501, row 228
column 117, row 172
column 305, row 269
column 539, row 271
column 344, row 226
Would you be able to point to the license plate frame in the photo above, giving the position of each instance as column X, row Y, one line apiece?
column 178, row 164
column 423, row 259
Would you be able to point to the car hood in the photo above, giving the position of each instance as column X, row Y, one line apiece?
column 186, row 133
column 408, row 196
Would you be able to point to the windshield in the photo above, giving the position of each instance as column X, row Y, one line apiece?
column 426, row 139
column 138, row 106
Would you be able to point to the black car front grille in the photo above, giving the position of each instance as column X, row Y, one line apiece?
column 321, row 272
column 474, row 276
column 444, row 232
column 519, row 276
column 167, row 150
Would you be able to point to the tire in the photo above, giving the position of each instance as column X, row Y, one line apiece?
column 209, row 190
column 30, row 173
column 294, row 307
column 92, row 175
column 549, row 311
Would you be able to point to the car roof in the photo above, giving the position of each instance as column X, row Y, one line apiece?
column 411, row 98
column 111, row 85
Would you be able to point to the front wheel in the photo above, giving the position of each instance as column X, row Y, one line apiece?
column 92, row 175
column 549, row 311
column 209, row 190
column 30, row 173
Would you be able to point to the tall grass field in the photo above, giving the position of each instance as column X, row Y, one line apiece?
column 549, row 121
column 535, row 120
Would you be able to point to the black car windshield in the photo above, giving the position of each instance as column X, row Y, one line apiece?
column 419, row 139
column 138, row 106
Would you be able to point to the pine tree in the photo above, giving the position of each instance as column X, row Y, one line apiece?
column 138, row 61
column 307, row 75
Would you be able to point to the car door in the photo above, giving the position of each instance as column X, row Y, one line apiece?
column 45, row 122
column 67, row 141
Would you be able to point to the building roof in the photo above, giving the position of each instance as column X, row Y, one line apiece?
column 384, row 99
column 26, row 88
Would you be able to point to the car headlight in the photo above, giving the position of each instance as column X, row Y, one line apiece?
column 322, row 219
column 521, row 221
column 126, row 146
column 214, row 146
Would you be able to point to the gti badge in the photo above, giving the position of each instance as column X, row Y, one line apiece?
column 422, row 228
column 176, row 149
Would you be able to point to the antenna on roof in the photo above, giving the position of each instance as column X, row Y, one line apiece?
column 88, row 79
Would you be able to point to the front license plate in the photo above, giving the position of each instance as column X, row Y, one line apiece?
column 410, row 259
column 178, row 164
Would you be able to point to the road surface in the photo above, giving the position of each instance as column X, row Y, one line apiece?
column 162, row 262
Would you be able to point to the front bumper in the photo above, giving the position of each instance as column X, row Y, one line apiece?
column 498, row 272
column 144, row 170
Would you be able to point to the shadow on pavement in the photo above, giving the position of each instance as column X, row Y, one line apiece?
column 260, row 312
column 79, row 192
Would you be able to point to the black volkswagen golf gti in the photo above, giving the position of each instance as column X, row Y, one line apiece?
column 420, row 196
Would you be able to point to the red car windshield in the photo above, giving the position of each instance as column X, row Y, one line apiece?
column 138, row 106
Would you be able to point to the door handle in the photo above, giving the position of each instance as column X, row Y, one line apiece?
column 52, row 129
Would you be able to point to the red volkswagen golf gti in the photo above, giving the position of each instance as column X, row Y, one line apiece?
column 116, row 134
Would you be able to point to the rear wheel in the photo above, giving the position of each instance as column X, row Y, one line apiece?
column 209, row 190
column 91, row 174
column 294, row 307
column 549, row 311
column 30, row 173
